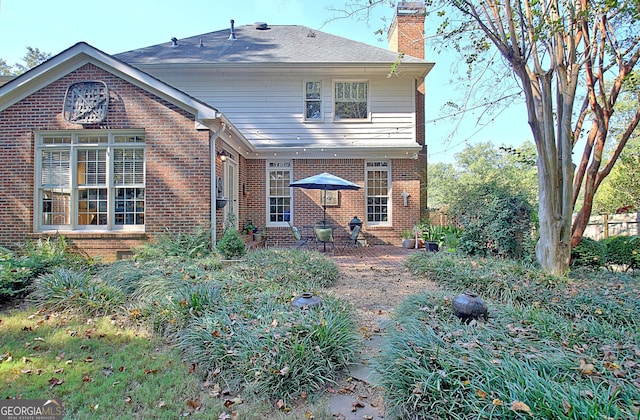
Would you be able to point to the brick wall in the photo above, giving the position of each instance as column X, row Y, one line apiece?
column 307, row 208
column 177, row 159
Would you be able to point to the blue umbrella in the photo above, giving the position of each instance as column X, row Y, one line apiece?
column 325, row 182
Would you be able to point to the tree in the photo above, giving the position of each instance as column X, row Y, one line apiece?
column 32, row 58
column 560, row 52
column 482, row 164
column 621, row 189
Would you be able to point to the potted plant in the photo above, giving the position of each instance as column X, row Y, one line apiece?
column 258, row 234
column 408, row 239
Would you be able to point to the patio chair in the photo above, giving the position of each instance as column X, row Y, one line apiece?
column 324, row 236
column 300, row 241
column 352, row 240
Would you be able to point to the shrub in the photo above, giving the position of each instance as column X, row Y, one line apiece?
column 589, row 253
column 181, row 244
column 495, row 221
column 66, row 289
column 18, row 269
column 231, row 245
column 270, row 348
column 623, row 251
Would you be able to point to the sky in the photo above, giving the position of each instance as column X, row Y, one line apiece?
column 115, row 26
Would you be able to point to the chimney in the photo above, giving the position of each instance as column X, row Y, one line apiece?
column 406, row 33
column 232, row 35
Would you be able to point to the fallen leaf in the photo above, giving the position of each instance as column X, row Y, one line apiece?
column 26, row 371
column 89, row 359
column 498, row 402
column 586, row 368
column 128, row 399
column 38, row 339
column 162, row 404
column 59, row 370
column 55, row 381
column 150, row 371
column 86, row 378
column 567, row 407
column 520, row 406
column 280, row 404
column 274, row 323
column 233, row 401
column 480, row 393
column 193, row 404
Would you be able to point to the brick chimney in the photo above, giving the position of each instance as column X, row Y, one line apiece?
column 406, row 36
column 406, row 33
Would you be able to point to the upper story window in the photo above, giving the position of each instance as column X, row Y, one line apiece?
column 378, row 182
column 313, row 100
column 351, row 100
column 279, row 176
column 87, row 181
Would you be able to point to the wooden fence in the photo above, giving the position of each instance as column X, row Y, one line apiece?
column 605, row 225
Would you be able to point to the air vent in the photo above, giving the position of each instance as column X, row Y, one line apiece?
column 261, row 26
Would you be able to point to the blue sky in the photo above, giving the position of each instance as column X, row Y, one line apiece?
column 115, row 26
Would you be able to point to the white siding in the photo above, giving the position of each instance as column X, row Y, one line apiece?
column 268, row 109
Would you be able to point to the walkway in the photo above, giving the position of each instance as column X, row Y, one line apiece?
column 375, row 280
column 381, row 256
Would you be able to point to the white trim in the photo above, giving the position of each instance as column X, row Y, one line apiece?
column 333, row 101
column 267, row 209
column 304, row 100
column 72, row 147
column 388, row 168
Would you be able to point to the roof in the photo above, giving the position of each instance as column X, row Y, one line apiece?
column 275, row 44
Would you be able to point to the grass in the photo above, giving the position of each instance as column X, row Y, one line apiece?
column 97, row 366
column 139, row 338
column 562, row 348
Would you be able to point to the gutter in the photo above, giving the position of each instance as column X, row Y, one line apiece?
column 212, row 156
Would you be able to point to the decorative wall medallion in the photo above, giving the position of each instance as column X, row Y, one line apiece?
column 86, row 102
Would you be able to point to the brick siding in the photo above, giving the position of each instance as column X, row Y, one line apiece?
column 177, row 160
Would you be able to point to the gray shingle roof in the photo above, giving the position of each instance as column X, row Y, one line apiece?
column 277, row 44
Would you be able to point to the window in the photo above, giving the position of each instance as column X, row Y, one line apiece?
column 313, row 101
column 351, row 100
column 377, row 184
column 278, row 193
column 90, row 182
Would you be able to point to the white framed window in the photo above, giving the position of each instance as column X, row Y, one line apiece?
column 351, row 100
column 378, row 186
column 88, row 180
column 313, row 100
column 279, row 176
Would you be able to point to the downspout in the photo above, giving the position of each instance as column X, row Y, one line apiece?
column 213, row 187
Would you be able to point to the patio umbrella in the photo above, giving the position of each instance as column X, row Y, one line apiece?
column 325, row 182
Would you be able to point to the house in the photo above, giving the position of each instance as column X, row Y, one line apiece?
column 113, row 150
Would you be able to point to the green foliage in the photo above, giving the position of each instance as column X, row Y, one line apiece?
column 66, row 289
column 231, row 245
column 623, row 251
column 181, row 244
column 18, row 269
column 548, row 342
column 495, row 221
column 273, row 349
column 589, row 253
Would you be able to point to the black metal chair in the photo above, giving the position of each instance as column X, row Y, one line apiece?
column 352, row 240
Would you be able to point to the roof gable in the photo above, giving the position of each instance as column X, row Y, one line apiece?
column 293, row 44
column 83, row 53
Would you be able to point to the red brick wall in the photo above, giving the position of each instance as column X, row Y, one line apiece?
column 307, row 208
column 177, row 158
